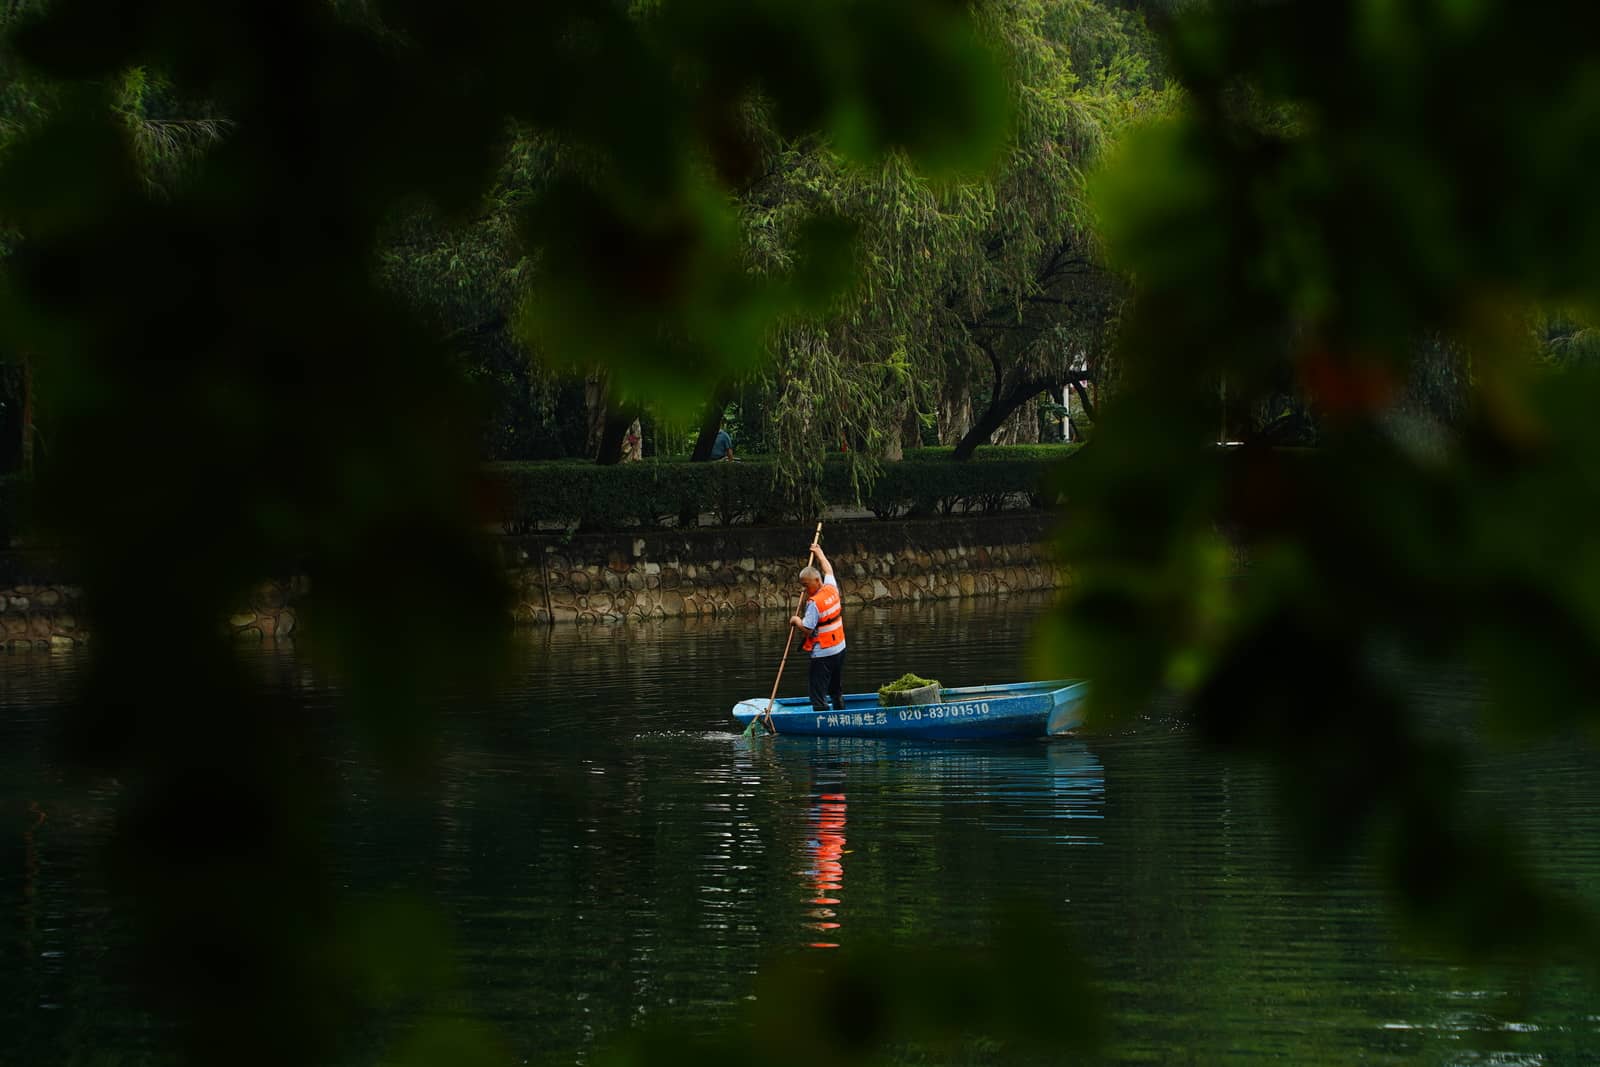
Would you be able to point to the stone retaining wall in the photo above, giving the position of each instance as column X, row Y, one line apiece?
column 660, row 574
column 666, row 574
column 41, row 616
column 51, row 615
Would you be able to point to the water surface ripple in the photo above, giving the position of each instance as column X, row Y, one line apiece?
column 610, row 850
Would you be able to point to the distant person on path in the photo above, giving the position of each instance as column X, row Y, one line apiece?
column 633, row 444
column 823, row 622
column 722, row 447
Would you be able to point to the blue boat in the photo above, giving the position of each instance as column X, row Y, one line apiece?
column 1023, row 709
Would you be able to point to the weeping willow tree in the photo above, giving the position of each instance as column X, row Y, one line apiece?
column 964, row 284
column 991, row 286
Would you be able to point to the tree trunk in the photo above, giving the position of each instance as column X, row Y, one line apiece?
column 1021, row 427
column 993, row 417
column 955, row 412
column 712, row 423
column 595, row 395
column 613, row 431
column 1084, row 399
column 910, row 432
column 27, row 416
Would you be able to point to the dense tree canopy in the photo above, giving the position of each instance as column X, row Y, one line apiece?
column 985, row 284
column 250, row 248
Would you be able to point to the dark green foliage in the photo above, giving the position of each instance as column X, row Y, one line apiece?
column 227, row 384
column 656, row 493
column 1323, row 212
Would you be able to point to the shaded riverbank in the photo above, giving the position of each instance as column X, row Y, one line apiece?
column 628, row 575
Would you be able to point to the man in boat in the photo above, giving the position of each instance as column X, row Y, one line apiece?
column 823, row 623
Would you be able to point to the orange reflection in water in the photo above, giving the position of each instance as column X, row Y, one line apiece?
column 827, row 863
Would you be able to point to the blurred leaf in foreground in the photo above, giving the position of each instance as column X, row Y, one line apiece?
column 1322, row 208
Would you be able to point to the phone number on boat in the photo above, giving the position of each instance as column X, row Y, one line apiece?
column 943, row 711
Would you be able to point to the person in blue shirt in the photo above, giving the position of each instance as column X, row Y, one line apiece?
column 722, row 447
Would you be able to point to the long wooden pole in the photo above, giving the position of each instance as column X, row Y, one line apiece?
column 773, row 699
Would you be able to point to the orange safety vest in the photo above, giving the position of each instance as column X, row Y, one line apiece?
column 830, row 619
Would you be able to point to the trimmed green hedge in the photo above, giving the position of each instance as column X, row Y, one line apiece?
column 654, row 494
column 990, row 453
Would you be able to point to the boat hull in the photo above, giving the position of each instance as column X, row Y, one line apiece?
column 1028, row 709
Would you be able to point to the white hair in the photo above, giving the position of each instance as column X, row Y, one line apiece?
column 810, row 572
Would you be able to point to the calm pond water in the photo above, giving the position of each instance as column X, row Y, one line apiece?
column 610, row 851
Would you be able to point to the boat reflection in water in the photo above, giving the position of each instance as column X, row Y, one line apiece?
column 1026, row 790
column 827, row 850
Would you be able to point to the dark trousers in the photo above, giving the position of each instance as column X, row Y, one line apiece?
column 827, row 679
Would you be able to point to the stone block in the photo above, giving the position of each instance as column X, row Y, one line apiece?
column 60, row 642
column 241, row 618
column 48, row 599
column 652, row 568
column 249, row 633
column 286, row 623
column 17, row 603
